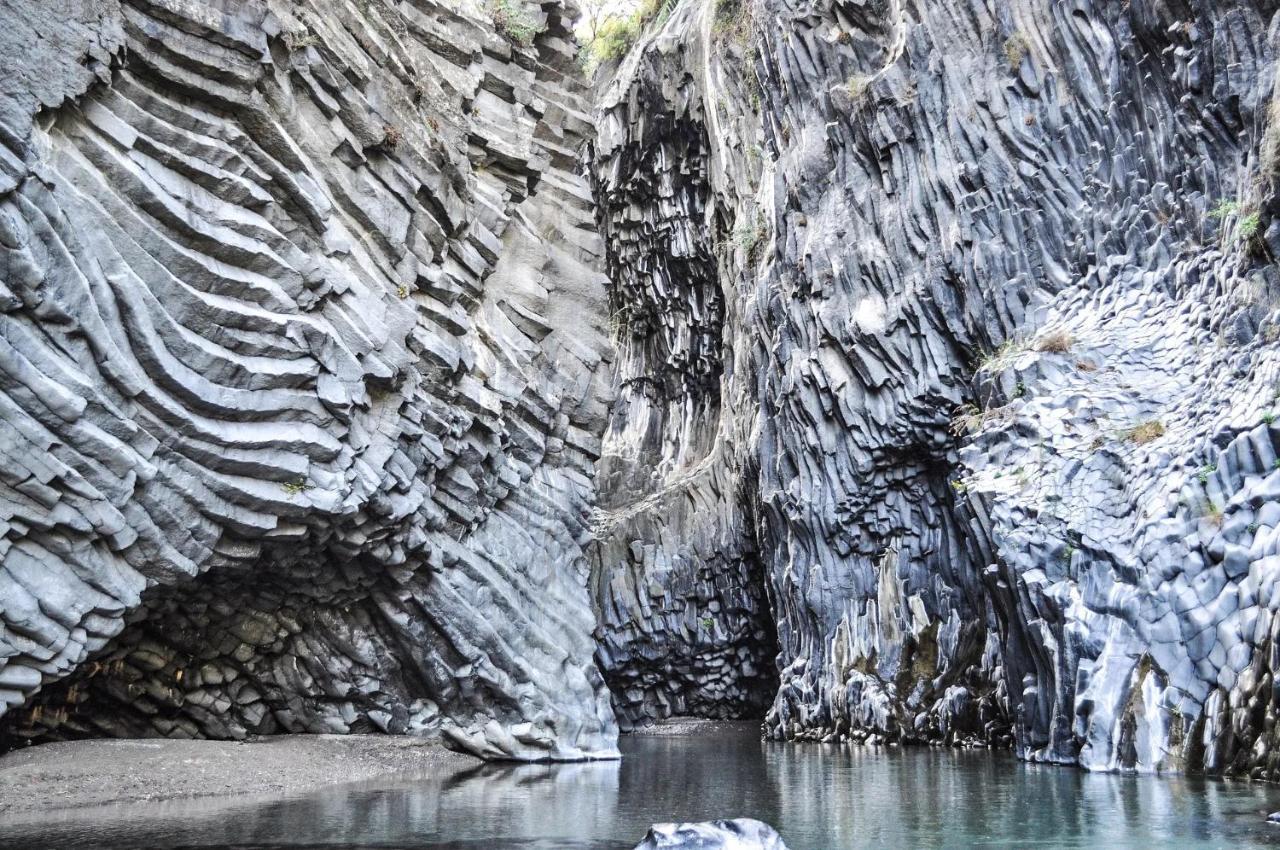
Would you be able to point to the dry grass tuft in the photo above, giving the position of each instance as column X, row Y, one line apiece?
column 1145, row 432
column 1016, row 48
column 1056, row 342
column 970, row 419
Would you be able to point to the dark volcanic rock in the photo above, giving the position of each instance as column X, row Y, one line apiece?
column 997, row 369
column 679, row 582
column 301, row 375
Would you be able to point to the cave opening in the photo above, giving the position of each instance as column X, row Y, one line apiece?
column 280, row 645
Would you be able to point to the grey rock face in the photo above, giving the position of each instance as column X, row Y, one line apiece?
column 737, row 834
column 1000, row 361
column 945, row 379
column 301, row 374
column 882, row 629
column 678, row 578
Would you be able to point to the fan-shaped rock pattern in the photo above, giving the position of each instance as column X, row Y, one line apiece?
column 301, row 375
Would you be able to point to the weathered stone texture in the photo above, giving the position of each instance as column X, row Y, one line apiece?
column 301, row 375
column 679, row 582
column 942, row 405
column 1003, row 366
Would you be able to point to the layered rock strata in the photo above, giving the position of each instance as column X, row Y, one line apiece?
column 301, row 373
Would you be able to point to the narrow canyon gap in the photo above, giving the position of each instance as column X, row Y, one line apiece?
column 888, row 370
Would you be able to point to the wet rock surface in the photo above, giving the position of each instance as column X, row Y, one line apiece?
column 738, row 834
column 301, row 374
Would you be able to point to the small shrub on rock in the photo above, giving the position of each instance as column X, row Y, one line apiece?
column 1145, row 432
column 513, row 21
column 1016, row 48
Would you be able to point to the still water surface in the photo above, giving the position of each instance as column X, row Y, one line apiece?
column 820, row 797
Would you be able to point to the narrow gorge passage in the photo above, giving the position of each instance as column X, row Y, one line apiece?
column 516, row 375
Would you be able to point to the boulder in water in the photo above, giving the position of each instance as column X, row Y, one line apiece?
column 736, row 834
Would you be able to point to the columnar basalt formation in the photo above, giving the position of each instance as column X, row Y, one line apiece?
column 301, row 373
column 942, row 408
column 1004, row 360
column 846, row 503
column 679, row 584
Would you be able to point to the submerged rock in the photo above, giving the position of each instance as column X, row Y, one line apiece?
column 737, row 834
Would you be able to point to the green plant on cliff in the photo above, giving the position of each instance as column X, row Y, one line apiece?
column 1224, row 209
column 732, row 20
column 1249, row 226
column 296, row 488
column 513, row 21
column 611, row 38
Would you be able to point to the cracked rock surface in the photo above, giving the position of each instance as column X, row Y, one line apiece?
column 301, row 374
column 994, row 315
column 898, row 370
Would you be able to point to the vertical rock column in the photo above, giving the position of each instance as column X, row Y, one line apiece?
column 679, row 588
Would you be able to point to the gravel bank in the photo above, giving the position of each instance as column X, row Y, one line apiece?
column 75, row 774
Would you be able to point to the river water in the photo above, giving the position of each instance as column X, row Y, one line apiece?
column 820, row 797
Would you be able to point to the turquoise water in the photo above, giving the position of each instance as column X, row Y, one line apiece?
column 820, row 797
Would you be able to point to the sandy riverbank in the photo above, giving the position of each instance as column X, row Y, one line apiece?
column 77, row 774
column 80, row 774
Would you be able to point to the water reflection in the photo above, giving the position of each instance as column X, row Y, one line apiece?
column 820, row 797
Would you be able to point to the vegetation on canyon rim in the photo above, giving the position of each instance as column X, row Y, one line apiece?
column 608, row 30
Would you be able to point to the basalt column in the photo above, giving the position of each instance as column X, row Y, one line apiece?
column 685, row 626
column 302, row 373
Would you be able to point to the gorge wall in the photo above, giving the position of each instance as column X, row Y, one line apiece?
column 301, row 386
column 887, row 369
column 992, row 406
